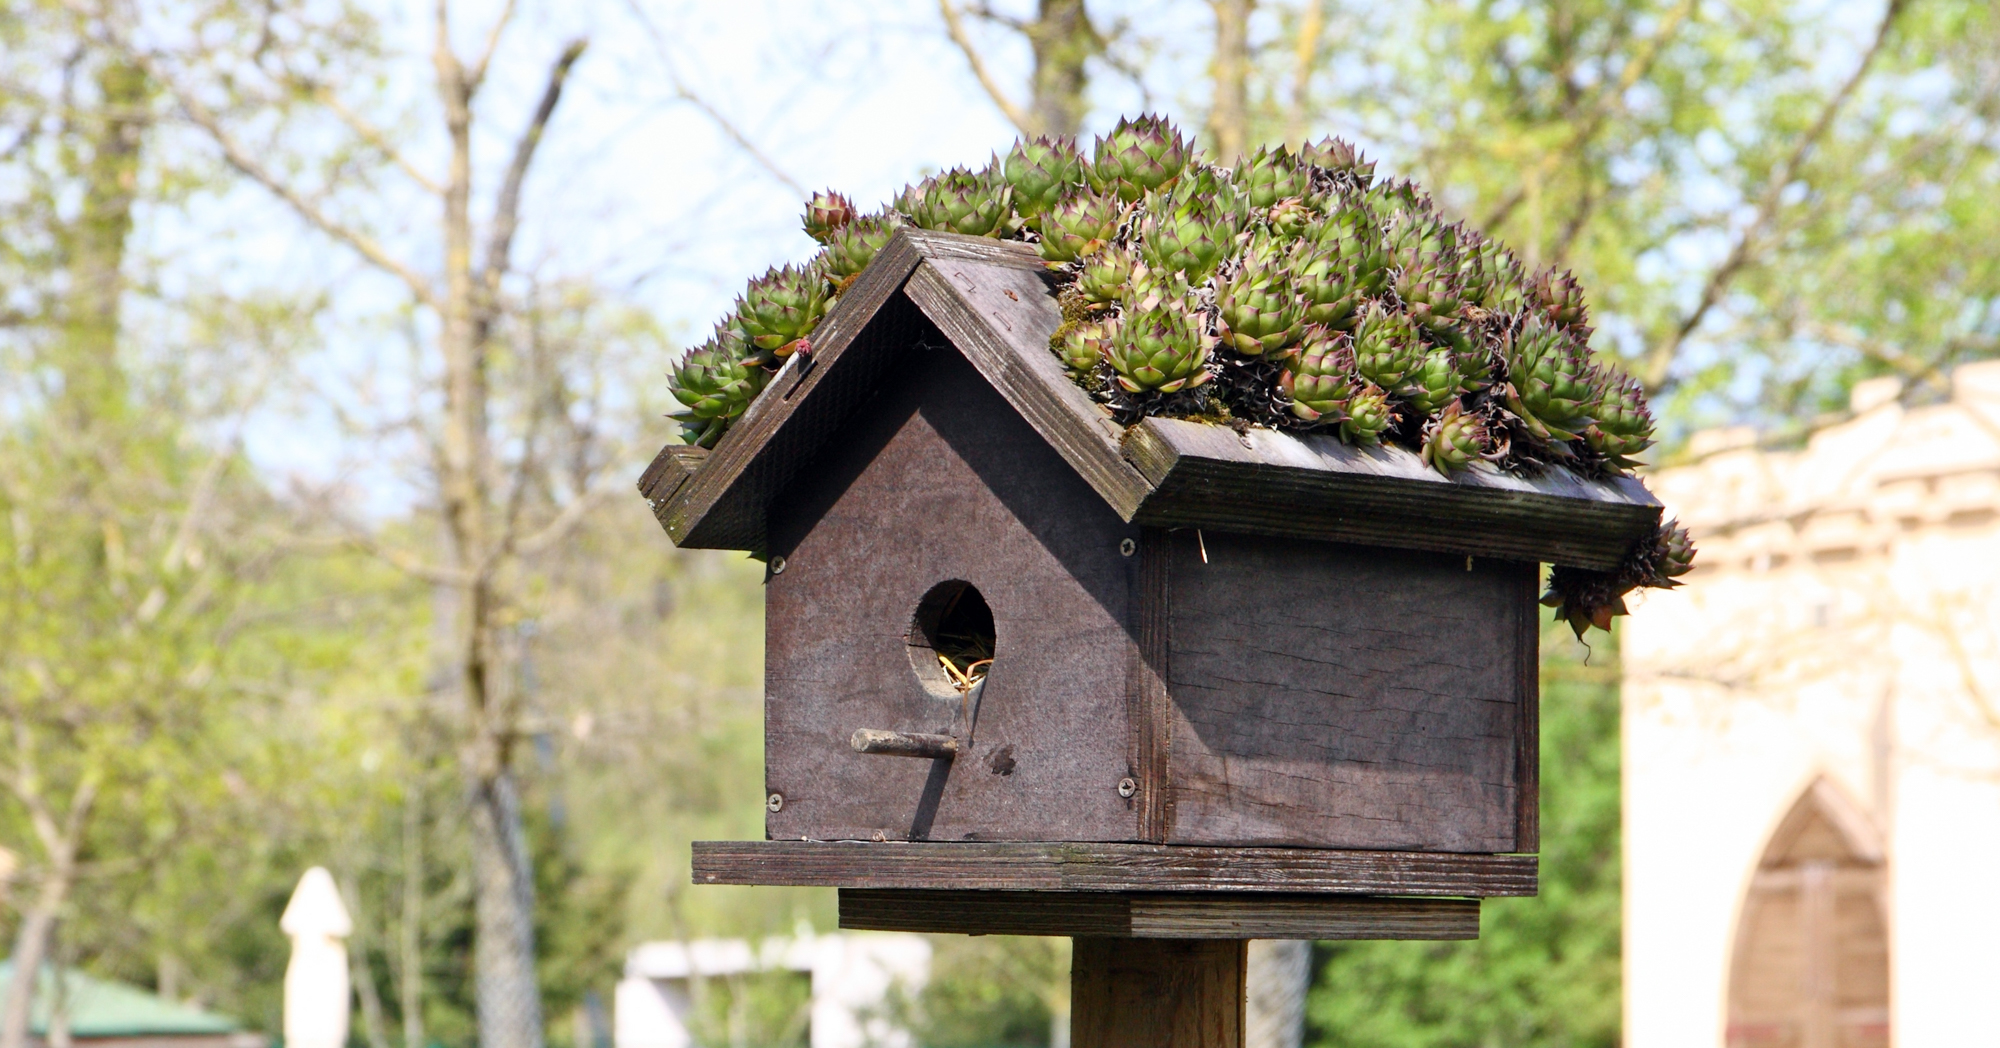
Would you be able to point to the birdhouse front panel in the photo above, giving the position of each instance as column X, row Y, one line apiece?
column 947, row 575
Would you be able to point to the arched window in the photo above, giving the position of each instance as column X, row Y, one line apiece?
column 1811, row 968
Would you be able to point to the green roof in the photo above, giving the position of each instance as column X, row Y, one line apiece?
column 102, row 1008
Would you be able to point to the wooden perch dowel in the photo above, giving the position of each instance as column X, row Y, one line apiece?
column 903, row 743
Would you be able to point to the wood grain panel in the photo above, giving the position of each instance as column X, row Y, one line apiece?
column 1191, row 915
column 1110, row 868
column 1342, row 696
column 1313, row 486
column 1156, row 993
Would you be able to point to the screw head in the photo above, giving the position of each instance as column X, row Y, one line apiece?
column 1127, row 787
column 1127, row 547
column 777, row 565
column 774, row 803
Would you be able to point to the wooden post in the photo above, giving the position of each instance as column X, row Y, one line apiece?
column 1156, row 993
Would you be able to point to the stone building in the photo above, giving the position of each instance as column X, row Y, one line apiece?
column 1812, row 738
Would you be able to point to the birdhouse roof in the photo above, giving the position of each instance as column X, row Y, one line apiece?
column 994, row 302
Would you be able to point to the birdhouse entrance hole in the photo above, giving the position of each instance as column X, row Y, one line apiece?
column 951, row 639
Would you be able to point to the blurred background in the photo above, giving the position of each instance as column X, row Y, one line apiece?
column 334, row 335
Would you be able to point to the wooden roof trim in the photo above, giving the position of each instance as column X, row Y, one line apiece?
column 722, row 505
column 1314, row 486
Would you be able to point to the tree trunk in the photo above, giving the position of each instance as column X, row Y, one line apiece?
column 1229, row 115
column 509, row 999
column 1063, row 40
column 31, row 950
column 1274, row 1010
column 93, row 249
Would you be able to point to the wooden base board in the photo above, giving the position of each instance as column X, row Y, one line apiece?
column 1153, row 915
column 1037, row 867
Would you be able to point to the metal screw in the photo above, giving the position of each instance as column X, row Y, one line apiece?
column 880, row 837
column 1127, row 547
column 774, row 803
column 1127, row 787
column 777, row 565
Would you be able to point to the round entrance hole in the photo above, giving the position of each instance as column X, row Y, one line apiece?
column 951, row 639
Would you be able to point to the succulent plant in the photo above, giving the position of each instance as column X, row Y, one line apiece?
column 1041, row 172
column 1269, row 175
column 1585, row 598
column 1105, row 276
column 1082, row 346
column 1550, row 384
column 713, row 387
column 1621, row 426
column 1159, row 347
column 1139, row 156
column 1339, row 157
column 1350, row 236
column 854, row 245
column 1078, row 225
column 1560, row 300
column 1435, row 384
column 1429, row 295
column 1260, row 315
column 1488, row 275
column 826, row 212
column 1387, row 351
column 1324, row 283
column 1453, row 440
column 781, row 307
column 1323, row 387
column 959, row 201
column 1190, row 229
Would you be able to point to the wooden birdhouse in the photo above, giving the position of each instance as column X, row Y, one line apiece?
column 1013, row 645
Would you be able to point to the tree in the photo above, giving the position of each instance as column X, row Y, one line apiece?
column 1063, row 40
column 128, row 564
column 1838, row 200
column 510, row 461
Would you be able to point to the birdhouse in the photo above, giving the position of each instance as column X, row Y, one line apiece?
column 1063, row 652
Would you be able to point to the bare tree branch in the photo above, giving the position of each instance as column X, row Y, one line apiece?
column 506, row 210
column 954, row 27
column 477, row 75
column 373, row 135
column 1660, row 359
column 243, row 161
column 1607, row 102
column 722, row 122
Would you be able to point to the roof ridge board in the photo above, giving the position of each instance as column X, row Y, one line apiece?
column 713, row 508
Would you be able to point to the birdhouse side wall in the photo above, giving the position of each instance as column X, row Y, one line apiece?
column 1339, row 696
column 938, row 479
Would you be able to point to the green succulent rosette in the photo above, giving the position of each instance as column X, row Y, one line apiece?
column 1260, row 314
column 1453, row 440
column 826, row 213
column 713, row 388
column 1550, row 384
column 1078, row 225
column 781, row 307
column 1041, row 172
column 1139, row 156
column 1159, row 347
column 1387, row 350
column 854, row 245
column 1621, row 425
column 960, row 201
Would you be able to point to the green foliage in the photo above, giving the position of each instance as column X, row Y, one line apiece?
column 1545, row 970
column 992, row 991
